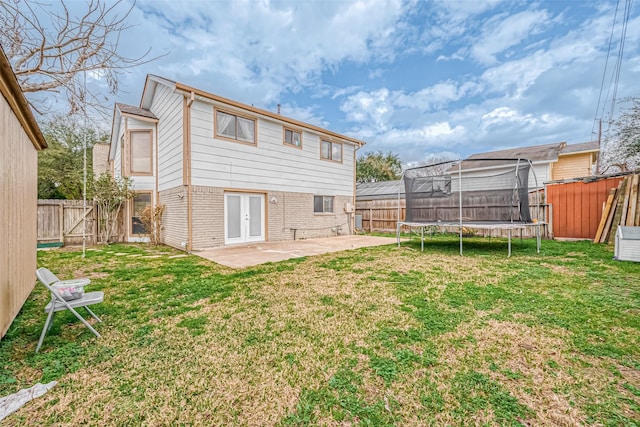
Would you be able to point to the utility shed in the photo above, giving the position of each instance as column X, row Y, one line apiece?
column 628, row 244
column 20, row 141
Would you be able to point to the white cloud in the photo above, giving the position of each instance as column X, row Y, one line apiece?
column 304, row 114
column 264, row 48
column 500, row 33
column 460, row 10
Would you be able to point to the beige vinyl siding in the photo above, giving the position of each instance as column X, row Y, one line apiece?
column 19, row 194
column 268, row 165
column 167, row 106
column 573, row 166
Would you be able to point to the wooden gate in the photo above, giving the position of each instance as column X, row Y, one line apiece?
column 60, row 222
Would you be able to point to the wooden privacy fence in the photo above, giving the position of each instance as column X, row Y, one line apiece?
column 577, row 205
column 382, row 215
column 60, row 222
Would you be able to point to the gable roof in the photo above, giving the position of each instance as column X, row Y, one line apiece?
column 535, row 153
column 119, row 110
column 583, row 147
column 12, row 92
column 152, row 81
column 136, row 111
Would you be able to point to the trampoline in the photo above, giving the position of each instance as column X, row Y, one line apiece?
column 486, row 194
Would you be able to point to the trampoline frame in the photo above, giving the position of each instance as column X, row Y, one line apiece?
column 509, row 226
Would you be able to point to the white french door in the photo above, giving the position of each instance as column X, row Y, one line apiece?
column 243, row 218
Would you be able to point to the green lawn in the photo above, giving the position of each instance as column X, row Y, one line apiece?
column 378, row 336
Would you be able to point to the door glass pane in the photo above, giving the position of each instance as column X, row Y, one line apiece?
column 234, row 230
column 255, row 216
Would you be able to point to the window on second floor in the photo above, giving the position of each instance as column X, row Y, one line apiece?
column 140, row 152
column 331, row 151
column 231, row 126
column 293, row 137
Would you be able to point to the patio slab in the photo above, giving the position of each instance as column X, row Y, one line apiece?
column 242, row 256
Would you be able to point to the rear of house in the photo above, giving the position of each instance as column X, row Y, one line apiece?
column 20, row 140
column 229, row 173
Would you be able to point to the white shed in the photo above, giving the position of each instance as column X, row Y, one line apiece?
column 628, row 244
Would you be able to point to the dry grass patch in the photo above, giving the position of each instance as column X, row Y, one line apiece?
column 379, row 336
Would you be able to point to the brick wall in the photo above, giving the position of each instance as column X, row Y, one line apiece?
column 174, row 219
column 285, row 212
column 208, row 216
column 294, row 211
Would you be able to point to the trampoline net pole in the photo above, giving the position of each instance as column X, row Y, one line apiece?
column 460, row 201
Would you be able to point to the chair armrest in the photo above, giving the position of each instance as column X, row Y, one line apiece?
column 73, row 282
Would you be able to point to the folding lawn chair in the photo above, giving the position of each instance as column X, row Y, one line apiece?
column 58, row 303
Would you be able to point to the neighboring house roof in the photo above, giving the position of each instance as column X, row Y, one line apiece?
column 136, row 111
column 583, row 147
column 10, row 89
column 537, row 153
column 153, row 80
column 379, row 190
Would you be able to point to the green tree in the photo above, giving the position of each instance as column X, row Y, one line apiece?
column 60, row 166
column 378, row 166
column 622, row 145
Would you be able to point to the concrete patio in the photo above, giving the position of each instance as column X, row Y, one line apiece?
column 242, row 256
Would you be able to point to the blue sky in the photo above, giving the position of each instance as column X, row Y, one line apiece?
column 418, row 78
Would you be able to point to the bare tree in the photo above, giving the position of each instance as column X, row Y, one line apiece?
column 621, row 145
column 439, row 163
column 55, row 55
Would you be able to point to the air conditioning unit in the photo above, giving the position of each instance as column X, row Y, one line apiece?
column 627, row 244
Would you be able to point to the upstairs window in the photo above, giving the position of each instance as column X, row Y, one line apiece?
column 323, row 204
column 230, row 126
column 331, row 151
column 140, row 152
column 292, row 137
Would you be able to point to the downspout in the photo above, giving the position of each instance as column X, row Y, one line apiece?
column 352, row 215
column 187, row 163
column 156, row 201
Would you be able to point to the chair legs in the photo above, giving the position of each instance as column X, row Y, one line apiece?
column 93, row 314
column 49, row 322
column 75, row 313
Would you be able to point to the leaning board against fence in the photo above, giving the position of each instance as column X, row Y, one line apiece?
column 476, row 194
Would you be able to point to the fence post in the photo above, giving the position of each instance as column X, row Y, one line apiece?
column 61, row 222
column 370, row 219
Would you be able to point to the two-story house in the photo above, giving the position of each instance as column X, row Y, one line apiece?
column 228, row 172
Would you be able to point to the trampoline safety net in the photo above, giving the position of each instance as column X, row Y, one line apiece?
column 489, row 190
